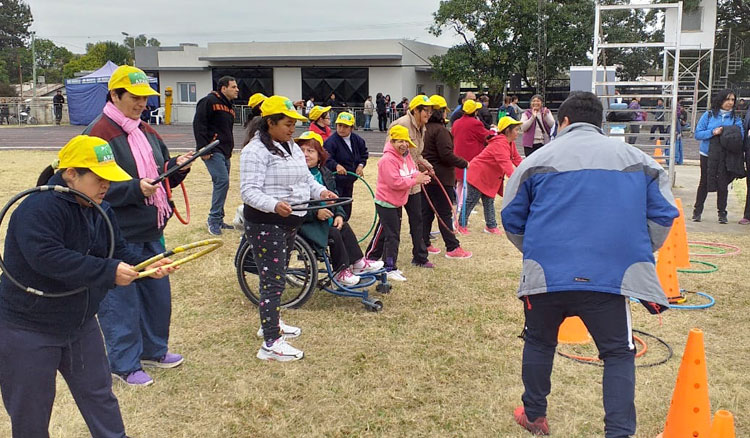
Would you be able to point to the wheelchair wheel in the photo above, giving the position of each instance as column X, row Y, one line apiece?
column 301, row 275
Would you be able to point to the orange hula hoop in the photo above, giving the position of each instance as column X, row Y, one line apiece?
column 186, row 219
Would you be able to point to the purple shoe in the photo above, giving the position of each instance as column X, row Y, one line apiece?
column 136, row 378
column 169, row 360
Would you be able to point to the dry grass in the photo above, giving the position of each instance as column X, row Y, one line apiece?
column 442, row 359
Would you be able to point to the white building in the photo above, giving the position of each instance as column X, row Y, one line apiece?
column 352, row 70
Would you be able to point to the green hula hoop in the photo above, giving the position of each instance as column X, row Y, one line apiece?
column 716, row 250
column 711, row 268
column 375, row 217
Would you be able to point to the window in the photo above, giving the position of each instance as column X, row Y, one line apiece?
column 692, row 21
column 350, row 85
column 440, row 90
column 187, row 92
column 250, row 80
column 420, row 89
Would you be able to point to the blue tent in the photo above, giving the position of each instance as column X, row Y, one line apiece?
column 87, row 95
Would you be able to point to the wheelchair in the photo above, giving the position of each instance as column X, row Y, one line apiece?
column 307, row 271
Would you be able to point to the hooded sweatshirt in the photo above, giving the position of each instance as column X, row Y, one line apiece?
column 396, row 176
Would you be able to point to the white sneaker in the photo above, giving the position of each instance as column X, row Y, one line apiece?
column 286, row 331
column 346, row 278
column 367, row 266
column 395, row 276
column 280, row 351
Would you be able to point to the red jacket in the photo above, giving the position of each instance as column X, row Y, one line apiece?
column 323, row 133
column 469, row 137
column 488, row 169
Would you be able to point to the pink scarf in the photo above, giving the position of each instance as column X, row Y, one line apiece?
column 143, row 155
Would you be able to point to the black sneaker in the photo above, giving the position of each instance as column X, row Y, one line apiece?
column 226, row 226
column 696, row 217
column 214, row 229
column 723, row 218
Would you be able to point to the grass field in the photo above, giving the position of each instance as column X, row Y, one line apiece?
column 441, row 360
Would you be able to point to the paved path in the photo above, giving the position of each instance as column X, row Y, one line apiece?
column 180, row 138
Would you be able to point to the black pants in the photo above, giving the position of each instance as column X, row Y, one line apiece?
column 607, row 317
column 530, row 150
column 382, row 122
column 343, row 247
column 385, row 241
column 443, row 207
column 634, row 129
column 29, row 362
column 413, row 209
column 746, row 215
column 345, row 188
column 271, row 246
column 722, row 192
column 661, row 128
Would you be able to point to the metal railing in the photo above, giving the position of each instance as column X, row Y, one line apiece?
column 27, row 114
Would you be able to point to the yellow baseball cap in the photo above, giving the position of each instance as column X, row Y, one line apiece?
column 398, row 132
column 420, row 100
column 256, row 99
column 280, row 105
column 309, row 135
column 345, row 118
column 94, row 154
column 505, row 122
column 438, row 101
column 471, row 106
column 317, row 111
column 133, row 79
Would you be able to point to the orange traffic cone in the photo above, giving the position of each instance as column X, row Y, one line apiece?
column 666, row 269
column 573, row 331
column 678, row 234
column 690, row 411
column 723, row 425
column 658, row 153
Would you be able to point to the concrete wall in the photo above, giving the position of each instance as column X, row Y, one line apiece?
column 183, row 112
column 386, row 80
column 703, row 39
column 288, row 82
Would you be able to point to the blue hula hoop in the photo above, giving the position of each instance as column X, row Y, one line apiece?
column 463, row 201
column 710, row 303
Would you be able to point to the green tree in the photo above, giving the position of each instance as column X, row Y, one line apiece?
column 97, row 54
column 15, row 19
column 141, row 41
column 632, row 25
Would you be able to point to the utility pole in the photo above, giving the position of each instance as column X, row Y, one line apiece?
column 20, row 75
column 33, row 65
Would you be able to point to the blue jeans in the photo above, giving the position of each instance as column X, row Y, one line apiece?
column 367, row 121
column 135, row 318
column 607, row 317
column 218, row 166
column 488, row 205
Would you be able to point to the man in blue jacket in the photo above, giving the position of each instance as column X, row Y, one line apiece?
column 347, row 152
column 587, row 212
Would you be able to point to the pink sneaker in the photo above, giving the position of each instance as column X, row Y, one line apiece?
column 463, row 230
column 433, row 250
column 495, row 230
column 538, row 427
column 458, row 253
column 744, row 221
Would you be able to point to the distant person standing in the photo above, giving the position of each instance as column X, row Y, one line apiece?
column 483, row 113
column 380, row 108
column 659, row 117
column 309, row 105
column 536, row 124
column 638, row 116
column 347, row 152
column 4, row 113
column 58, row 102
column 458, row 111
column 214, row 120
column 368, row 111
column 517, row 109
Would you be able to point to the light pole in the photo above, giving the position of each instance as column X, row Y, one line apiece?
column 127, row 35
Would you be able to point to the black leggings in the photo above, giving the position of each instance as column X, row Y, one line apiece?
column 443, row 207
column 722, row 191
column 343, row 247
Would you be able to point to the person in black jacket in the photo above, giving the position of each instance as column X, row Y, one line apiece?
column 380, row 109
column 214, row 119
column 57, row 242
column 483, row 114
column 347, row 152
column 746, row 130
column 58, row 102
column 438, row 151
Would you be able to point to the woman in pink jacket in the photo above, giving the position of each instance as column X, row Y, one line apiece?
column 396, row 175
column 487, row 171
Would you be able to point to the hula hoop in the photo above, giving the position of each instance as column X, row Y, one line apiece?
column 168, row 189
column 59, row 189
column 434, row 210
column 463, row 200
column 598, row 363
column 204, row 150
column 375, row 217
column 337, row 202
column 710, row 303
column 720, row 246
column 719, row 251
column 212, row 244
column 711, row 268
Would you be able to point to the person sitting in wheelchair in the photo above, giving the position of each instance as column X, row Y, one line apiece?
column 324, row 227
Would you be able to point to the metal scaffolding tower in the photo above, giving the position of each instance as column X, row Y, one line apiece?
column 666, row 89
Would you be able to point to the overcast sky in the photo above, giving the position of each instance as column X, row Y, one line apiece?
column 74, row 23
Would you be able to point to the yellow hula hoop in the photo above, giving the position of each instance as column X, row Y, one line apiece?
column 211, row 244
